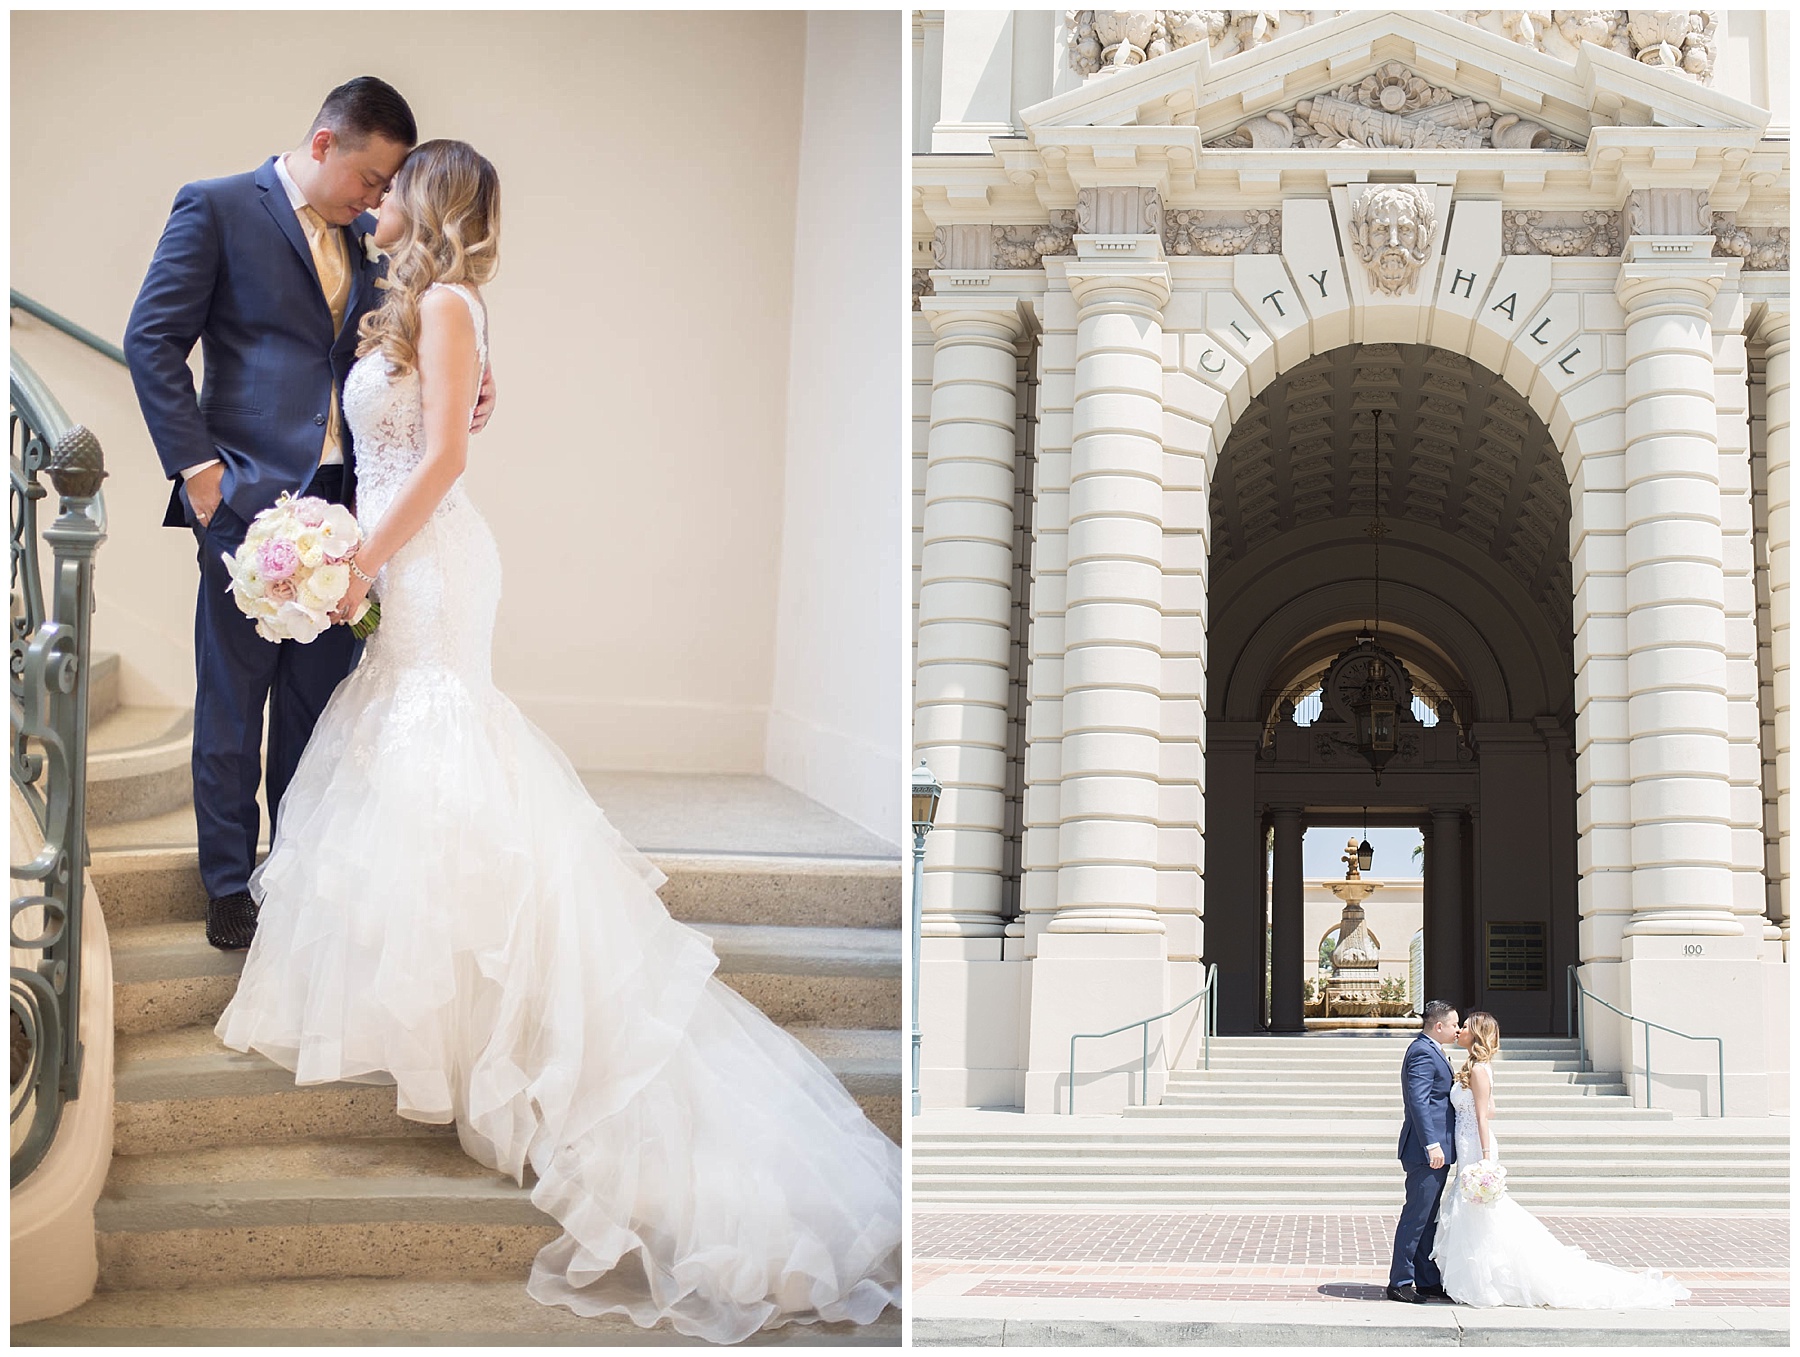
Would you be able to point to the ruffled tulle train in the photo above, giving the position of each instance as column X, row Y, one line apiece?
column 445, row 908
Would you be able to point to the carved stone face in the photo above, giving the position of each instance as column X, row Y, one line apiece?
column 1392, row 229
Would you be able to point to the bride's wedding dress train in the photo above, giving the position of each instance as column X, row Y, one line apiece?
column 446, row 909
column 1500, row 1254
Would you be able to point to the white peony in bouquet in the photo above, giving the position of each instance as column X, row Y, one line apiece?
column 1483, row 1183
column 292, row 570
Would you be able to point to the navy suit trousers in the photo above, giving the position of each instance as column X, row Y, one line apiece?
column 1418, row 1228
column 236, row 672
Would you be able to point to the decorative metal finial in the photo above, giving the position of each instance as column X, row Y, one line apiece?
column 77, row 465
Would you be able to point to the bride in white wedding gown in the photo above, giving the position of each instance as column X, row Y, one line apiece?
column 1498, row 1253
column 444, row 907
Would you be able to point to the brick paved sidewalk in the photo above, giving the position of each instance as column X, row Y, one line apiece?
column 1320, row 1271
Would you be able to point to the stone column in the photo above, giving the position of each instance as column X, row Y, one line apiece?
column 965, row 610
column 1112, row 665
column 1681, row 847
column 1287, row 931
column 1686, row 960
column 1446, row 936
column 1101, row 960
column 1778, row 424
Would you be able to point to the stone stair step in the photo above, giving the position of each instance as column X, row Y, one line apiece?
column 380, row 1312
column 1343, row 1096
column 142, row 885
column 1280, row 1165
column 1606, row 1109
column 104, row 678
column 139, row 762
column 770, row 889
column 1331, row 1184
column 166, row 975
column 180, row 1091
column 1517, row 1075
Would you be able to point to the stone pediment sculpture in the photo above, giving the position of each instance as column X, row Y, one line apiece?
column 1392, row 107
column 1402, row 79
column 1105, row 41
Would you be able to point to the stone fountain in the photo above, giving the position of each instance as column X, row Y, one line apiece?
column 1355, row 981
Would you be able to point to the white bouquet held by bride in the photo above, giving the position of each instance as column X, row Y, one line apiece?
column 292, row 570
column 1483, row 1183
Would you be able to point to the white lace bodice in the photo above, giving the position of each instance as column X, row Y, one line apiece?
column 387, row 420
column 1468, row 1129
column 440, row 591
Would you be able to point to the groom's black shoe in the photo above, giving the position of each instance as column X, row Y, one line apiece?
column 1432, row 1293
column 1406, row 1292
column 231, row 921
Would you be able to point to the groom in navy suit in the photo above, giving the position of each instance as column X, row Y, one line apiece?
column 1427, row 1149
column 270, row 272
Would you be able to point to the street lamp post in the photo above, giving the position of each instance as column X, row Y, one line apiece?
column 925, row 795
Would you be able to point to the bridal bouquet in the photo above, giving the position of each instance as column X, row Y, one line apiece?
column 291, row 570
column 1483, row 1183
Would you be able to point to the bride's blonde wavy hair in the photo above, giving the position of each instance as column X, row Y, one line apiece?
column 1483, row 1048
column 450, row 199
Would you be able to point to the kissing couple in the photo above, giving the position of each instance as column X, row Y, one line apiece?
column 1461, row 1236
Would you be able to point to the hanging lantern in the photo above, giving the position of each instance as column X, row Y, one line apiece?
column 1365, row 856
column 1376, row 716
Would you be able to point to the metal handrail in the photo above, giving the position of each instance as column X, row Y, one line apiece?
column 50, row 664
column 60, row 322
column 1577, row 1018
column 1208, row 1025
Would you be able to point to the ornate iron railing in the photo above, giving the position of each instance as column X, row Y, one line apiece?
column 1209, row 1024
column 49, row 752
column 1577, row 992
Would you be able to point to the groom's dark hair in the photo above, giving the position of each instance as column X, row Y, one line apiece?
column 1434, row 1011
column 364, row 107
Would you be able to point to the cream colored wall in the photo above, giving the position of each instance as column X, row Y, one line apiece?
column 633, row 472
column 834, row 725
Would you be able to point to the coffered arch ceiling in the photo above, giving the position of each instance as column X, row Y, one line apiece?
column 1461, row 454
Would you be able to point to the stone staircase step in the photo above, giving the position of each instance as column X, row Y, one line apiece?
column 1600, row 1109
column 182, row 1091
column 104, row 678
column 773, row 889
column 154, row 885
column 166, row 975
column 1516, row 1076
column 380, row 1312
column 1309, row 1138
column 139, row 762
column 1275, row 1165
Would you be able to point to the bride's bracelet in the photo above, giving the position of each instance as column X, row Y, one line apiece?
column 357, row 570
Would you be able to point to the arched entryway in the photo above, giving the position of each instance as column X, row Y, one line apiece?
column 1475, row 620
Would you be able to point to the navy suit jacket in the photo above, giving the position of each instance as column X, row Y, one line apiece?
column 234, row 273
column 1425, row 1079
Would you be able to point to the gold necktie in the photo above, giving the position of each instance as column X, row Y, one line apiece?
column 334, row 280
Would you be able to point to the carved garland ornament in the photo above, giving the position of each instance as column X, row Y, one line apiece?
column 1683, row 41
column 1392, row 107
column 1392, row 228
column 1762, row 249
column 1592, row 233
column 1188, row 231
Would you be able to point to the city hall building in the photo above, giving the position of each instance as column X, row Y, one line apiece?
column 1339, row 419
